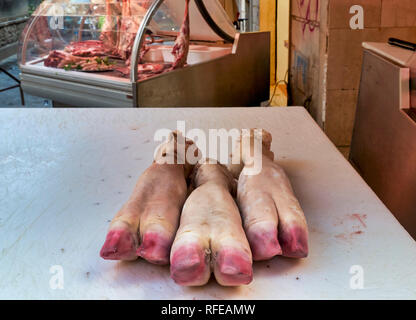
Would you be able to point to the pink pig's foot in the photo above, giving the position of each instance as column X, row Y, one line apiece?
column 190, row 265
column 233, row 267
column 155, row 248
column 294, row 242
column 120, row 244
column 263, row 242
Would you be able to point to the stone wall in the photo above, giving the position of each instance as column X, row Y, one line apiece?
column 10, row 32
column 13, row 18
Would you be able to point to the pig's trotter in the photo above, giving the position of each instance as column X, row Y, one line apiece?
column 155, row 248
column 233, row 267
column 263, row 241
column 120, row 244
column 190, row 265
column 294, row 242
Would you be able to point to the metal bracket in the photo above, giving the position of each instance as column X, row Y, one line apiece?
column 18, row 85
column 205, row 14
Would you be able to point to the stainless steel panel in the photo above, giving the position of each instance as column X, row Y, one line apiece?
column 75, row 94
column 239, row 79
column 92, row 79
column 384, row 140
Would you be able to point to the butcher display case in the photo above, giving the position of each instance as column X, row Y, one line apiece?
column 142, row 53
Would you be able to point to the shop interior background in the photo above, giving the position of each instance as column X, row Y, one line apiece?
column 316, row 57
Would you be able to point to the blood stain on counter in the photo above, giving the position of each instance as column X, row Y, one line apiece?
column 341, row 236
column 352, row 219
column 348, row 235
column 353, row 225
column 360, row 218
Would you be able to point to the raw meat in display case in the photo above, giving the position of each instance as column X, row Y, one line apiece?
column 99, row 52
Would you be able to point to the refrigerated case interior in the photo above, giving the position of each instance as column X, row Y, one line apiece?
column 142, row 53
column 98, row 36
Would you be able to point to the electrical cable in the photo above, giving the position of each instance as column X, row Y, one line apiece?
column 285, row 81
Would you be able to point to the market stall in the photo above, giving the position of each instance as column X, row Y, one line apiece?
column 142, row 53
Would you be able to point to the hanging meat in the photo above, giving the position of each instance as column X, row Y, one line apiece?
column 130, row 22
column 181, row 47
column 118, row 33
column 109, row 36
column 180, row 51
column 41, row 35
column 131, row 15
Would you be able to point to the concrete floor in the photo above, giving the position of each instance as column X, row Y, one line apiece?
column 11, row 98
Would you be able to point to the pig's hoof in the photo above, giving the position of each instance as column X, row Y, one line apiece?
column 120, row 244
column 189, row 265
column 155, row 248
column 234, row 267
column 264, row 243
column 294, row 242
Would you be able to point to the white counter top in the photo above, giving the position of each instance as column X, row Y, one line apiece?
column 65, row 173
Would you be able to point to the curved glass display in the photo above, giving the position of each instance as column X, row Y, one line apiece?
column 100, row 36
